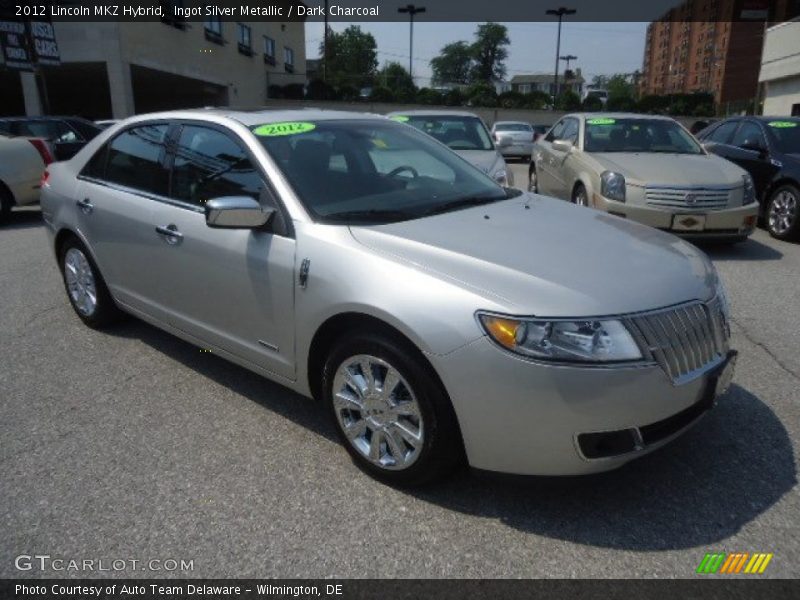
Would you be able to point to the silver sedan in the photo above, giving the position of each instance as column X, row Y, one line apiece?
column 439, row 317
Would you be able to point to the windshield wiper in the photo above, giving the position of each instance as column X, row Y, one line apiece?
column 372, row 215
column 460, row 203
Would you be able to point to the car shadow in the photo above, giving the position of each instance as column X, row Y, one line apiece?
column 23, row 218
column 751, row 250
column 262, row 391
column 702, row 488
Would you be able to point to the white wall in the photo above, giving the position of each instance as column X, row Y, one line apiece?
column 781, row 95
column 780, row 68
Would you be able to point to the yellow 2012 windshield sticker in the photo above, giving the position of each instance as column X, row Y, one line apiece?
column 287, row 128
column 782, row 124
column 399, row 118
column 601, row 121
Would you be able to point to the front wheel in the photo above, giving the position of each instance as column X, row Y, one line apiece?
column 579, row 195
column 533, row 184
column 783, row 213
column 391, row 413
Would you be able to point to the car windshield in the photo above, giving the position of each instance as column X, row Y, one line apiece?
column 786, row 134
column 373, row 171
column 512, row 127
column 456, row 132
column 606, row 134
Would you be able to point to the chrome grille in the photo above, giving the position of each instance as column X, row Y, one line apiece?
column 683, row 339
column 697, row 198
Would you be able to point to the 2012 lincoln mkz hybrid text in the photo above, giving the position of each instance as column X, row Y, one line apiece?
column 440, row 317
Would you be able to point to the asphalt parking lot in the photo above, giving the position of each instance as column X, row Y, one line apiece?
column 131, row 444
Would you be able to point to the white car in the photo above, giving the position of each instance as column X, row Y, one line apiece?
column 465, row 134
column 22, row 162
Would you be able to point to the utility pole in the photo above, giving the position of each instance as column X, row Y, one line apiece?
column 412, row 10
column 560, row 12
column 568, row 58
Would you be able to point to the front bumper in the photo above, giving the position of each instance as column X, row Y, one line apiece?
column 726, row 223
column 523, row 417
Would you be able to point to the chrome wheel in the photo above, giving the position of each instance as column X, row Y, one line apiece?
column 378, row 412
column 580, row 197
column 782, row 212
column 532, row 181
column 80, row 282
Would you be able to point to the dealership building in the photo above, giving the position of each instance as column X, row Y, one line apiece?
column 116, row 69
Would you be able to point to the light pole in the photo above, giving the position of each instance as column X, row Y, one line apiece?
column 560, row 12
column 412, row 10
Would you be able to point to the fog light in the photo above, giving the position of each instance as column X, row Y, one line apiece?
column 750, row 221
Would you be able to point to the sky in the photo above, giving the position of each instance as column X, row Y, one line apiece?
column 601, row 48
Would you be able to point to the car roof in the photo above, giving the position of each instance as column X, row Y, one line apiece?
column 258, row 116
column 432, row 113
column 512, row 123
column 617, row 115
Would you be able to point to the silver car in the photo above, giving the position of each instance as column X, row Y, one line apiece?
column 514, row 138
column 438, row 316
column 464, row 133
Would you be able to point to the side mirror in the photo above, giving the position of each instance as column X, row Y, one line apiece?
column 562, row 145
column 237, row 212
column 754, row 146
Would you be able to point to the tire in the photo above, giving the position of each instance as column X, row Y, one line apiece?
column 579, row 195
column 86, row 290
column 407, row 435
column 6, row 202
column 783, row 213
column 533, row 181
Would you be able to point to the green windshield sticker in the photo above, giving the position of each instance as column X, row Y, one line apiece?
column 288, row 128
column 782, row 124
column 399, row 118
column 601, row 121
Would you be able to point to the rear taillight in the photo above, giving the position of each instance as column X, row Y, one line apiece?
column 43, row 149
column 45, row 178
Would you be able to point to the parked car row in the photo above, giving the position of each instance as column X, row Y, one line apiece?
column 22, row 162
column 440, row 316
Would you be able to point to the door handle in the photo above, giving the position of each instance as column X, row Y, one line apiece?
column 170, row 232
column 85, row 206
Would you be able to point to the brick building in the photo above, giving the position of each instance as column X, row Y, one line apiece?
column 710, row 46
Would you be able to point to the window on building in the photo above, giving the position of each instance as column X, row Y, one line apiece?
column 288, row 59
column 243, row 35
column 525, row 88
column 269, row 50
column 213, row 29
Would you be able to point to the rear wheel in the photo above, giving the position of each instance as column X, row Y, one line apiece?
column 86, row 290
column 392, row 415
column 783, row 213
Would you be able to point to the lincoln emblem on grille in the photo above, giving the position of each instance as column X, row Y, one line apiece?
column 690, row 199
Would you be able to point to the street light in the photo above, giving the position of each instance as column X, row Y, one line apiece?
column 568, row 58
column 560, row 12
column 411, row 10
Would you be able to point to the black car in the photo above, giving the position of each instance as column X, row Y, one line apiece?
column 66, row 135
column 769, row 149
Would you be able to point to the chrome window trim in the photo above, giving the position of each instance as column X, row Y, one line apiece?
column 142, row 194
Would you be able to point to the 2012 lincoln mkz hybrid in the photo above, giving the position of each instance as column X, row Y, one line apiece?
column 439, row 317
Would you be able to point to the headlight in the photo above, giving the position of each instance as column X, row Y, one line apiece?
column 557, row 340
column 612, row 186
column 502, row 177
column 749, row 189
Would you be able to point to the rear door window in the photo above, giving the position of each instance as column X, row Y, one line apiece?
column 136, row 159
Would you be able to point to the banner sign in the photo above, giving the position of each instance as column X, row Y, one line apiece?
column 25, row 44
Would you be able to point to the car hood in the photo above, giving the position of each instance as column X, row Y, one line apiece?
column 552, row 259
column 680, row 170
column 487, row 161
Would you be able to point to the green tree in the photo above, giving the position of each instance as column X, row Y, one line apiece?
column 600, row 81
column 619, row 86
column 592, row 104
column 489, row 52
column 453, row 64
column 568, row 100
column 396, row 78
column 352, row 58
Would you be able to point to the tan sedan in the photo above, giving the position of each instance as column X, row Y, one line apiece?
column 646, row 168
